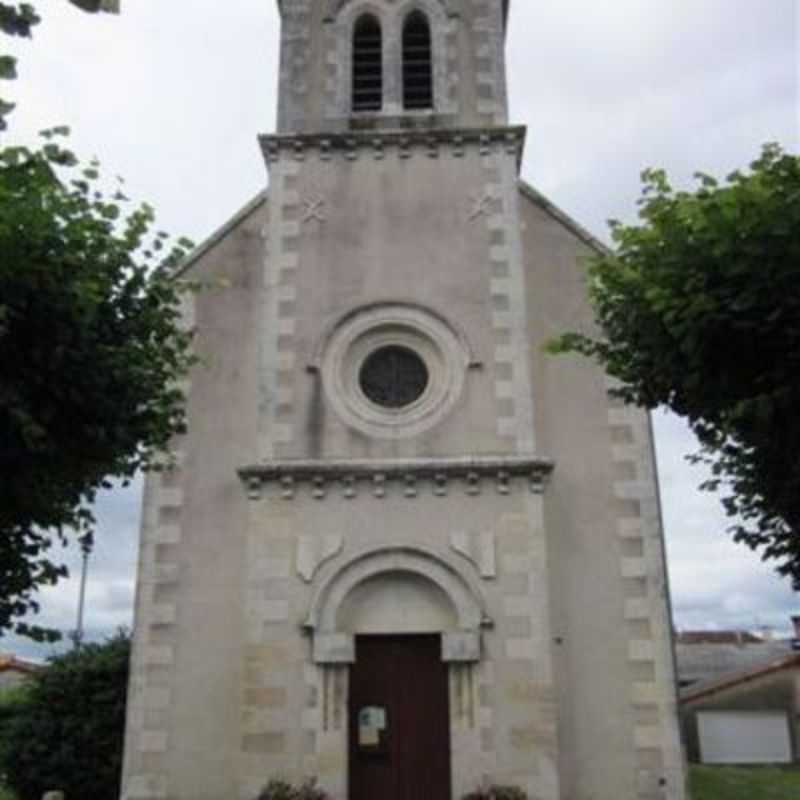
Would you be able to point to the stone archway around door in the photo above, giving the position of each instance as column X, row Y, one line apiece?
column 445, row 600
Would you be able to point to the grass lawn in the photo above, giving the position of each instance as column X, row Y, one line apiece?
column 745, row 783
column 5, row 794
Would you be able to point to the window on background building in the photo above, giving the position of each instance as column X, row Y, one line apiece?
column 367, row 65
column 417, row 63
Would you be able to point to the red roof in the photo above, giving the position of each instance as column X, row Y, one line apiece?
column 10, row 663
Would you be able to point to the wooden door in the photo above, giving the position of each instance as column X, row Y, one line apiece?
column 399, row 720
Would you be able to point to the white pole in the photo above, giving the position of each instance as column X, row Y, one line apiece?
column 82, row 599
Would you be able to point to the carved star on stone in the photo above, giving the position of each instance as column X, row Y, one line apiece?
column 481, row 206
column 314, row 209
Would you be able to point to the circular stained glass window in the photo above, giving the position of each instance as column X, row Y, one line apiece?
column 393, row 377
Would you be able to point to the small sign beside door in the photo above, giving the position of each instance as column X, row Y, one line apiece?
column 371, row 724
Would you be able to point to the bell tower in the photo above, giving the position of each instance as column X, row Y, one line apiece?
column 403, row 551
column 392, row 131
column 350, row 65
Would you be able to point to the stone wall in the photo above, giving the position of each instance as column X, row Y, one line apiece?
column 487, row 537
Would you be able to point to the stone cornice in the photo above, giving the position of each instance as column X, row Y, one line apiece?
column 425, row 142
column 333, row 7
column 406, row 477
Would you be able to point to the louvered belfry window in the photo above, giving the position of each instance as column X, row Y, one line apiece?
column 417, row 63
column 367, row 65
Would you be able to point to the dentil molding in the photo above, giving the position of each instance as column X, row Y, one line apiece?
column 399, row 477
column 426, row 142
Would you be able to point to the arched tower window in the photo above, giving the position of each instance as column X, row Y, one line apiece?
column 417, row 62
column 367, row 64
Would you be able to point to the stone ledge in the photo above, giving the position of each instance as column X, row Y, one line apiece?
column 407, row 477
column 426, row 142
column 334, row 7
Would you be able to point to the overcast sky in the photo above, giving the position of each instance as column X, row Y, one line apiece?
column 171, row 95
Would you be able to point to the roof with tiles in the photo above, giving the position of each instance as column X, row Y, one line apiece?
column 718, row 637
column 10, row 663
column 734, row 679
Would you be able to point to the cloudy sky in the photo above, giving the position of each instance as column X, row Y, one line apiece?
column 172, row 94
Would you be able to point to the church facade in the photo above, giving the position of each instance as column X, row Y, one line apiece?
column 403, row 550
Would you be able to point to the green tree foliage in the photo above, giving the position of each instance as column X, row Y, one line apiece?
column 93, row 6
column 699, row 308
column 19, row 19
column 90, row 353
column 497, row 793
column 67, row 730
column 12, row 705
column 16, row 19
column 278, row 789
column 88, row 343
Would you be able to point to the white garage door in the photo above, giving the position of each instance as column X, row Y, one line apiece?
column 744, row 737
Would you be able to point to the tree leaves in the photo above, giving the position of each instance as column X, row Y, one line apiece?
column 8, row 68
column 19, row 19
column 16, row 19
column 699, row 306
column 91, row 353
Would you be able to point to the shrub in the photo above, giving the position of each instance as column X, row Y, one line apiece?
column 497, row 793
column 12, row 705
column 68, row 730
column 278, row 790
column 281, row 790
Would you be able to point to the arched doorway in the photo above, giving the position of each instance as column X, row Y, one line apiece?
column 399, row 719
column 406, row 621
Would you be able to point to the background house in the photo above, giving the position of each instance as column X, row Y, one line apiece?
column 746, row 717
column 710, row 655
column 15, row 671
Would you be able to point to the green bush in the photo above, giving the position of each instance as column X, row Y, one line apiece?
column 67, row 730
column 277, row 789
column 12, row 703
column 497, row 793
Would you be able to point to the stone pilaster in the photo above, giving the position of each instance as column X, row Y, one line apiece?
column 498, row 208
column 279, row 304
column 150, row 691
column 653, row 698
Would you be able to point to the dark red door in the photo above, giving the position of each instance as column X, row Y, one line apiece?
column 399, row 720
